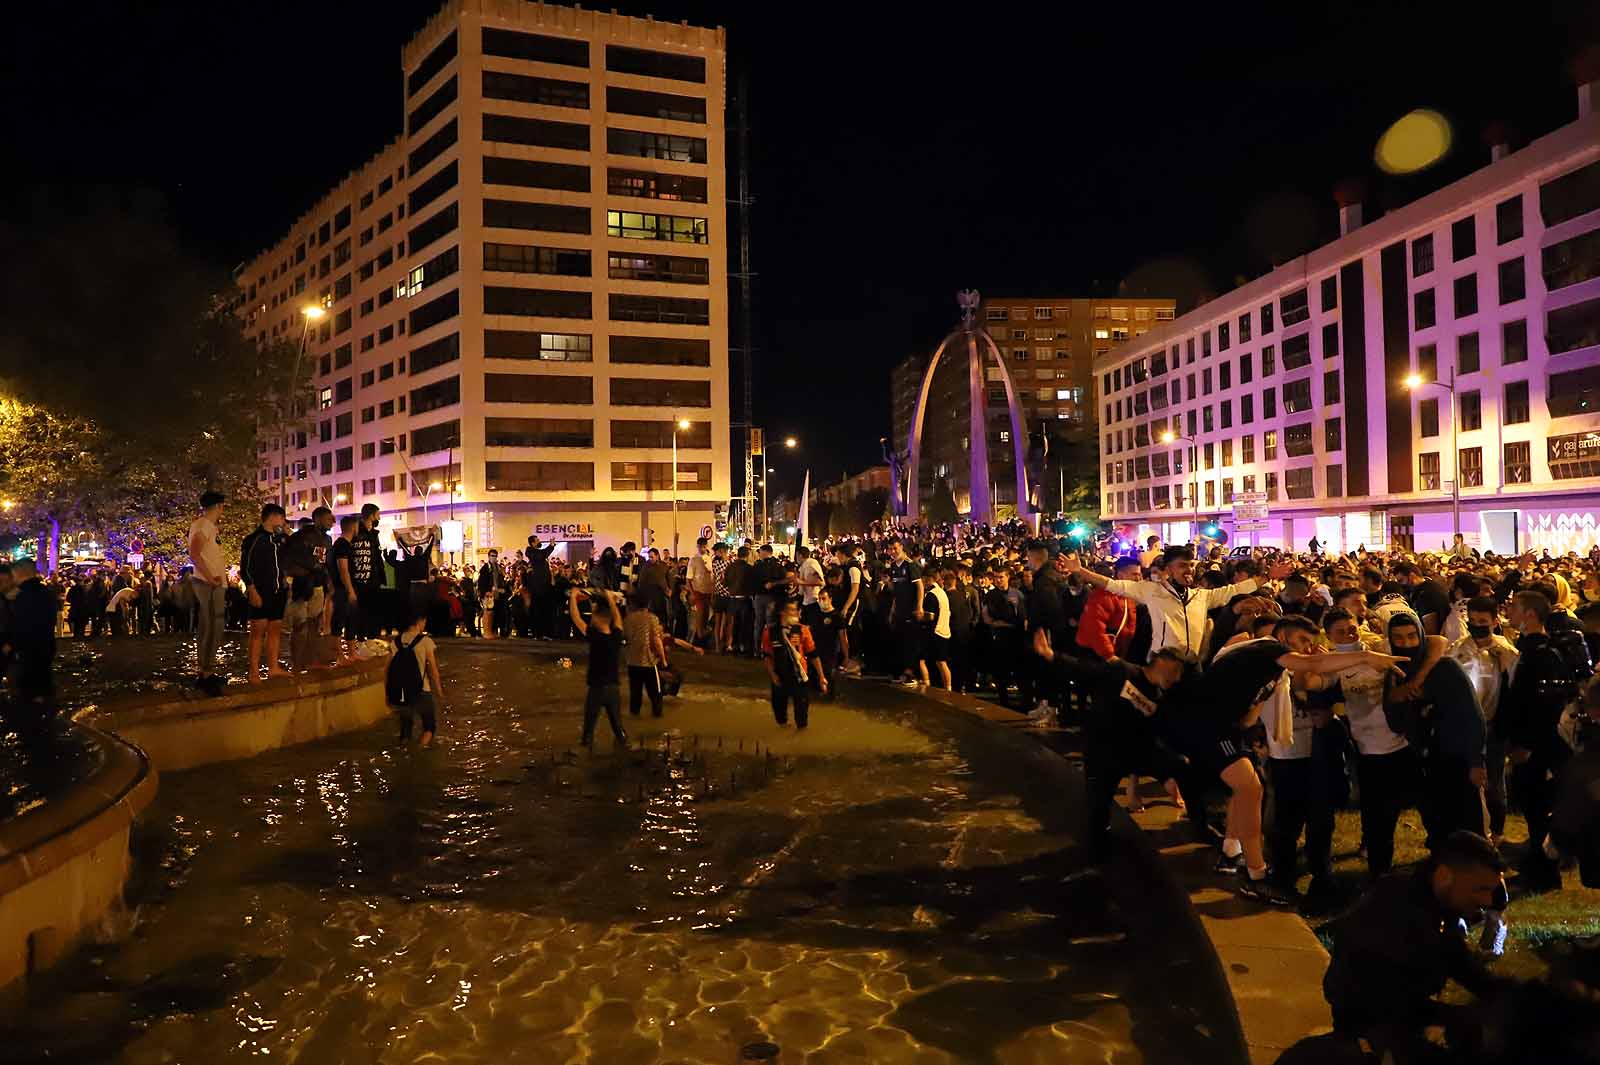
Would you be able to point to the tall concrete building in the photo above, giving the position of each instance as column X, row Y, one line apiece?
column 525, row 293
column 1450, row 348
column 1049, row 345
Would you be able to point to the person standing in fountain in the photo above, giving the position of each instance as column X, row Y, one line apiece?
column 792, row 661
column 603, row 630
column 34, row 612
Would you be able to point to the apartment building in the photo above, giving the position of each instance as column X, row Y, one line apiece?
column 1447, row 350
column 524, row 296
column 1049, row 346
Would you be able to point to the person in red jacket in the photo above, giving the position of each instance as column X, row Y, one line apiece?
column 1110, row 620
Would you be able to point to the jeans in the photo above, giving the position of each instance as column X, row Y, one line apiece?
column 607, row 697
column 644, row 680
column 1299, row 801
column 422, row 708
column 211, row 601
column 1386, row 779
column 763, row 607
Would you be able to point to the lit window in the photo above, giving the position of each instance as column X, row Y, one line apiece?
column 1102, row 334
column 1043, row 314
column 1005, row 436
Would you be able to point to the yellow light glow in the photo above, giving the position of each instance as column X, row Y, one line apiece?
column 1415, row 142
column 435, row 486
column 791, row 442
column 339, row 498
column 313, row 312
column 683, row 423
column 1167, row 437
column 7, row 504
column 1414, row 380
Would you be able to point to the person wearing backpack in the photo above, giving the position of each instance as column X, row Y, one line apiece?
column 411, row 683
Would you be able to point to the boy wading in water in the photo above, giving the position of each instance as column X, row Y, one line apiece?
column 412, row 684
column 792, row 661
column 603, row 630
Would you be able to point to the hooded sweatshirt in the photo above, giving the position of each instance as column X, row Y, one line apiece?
column 1454, row 724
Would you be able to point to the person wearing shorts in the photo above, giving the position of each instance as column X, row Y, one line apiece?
column 265, row 591
column 1218, row 706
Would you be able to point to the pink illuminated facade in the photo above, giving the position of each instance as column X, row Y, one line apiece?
column 1456, row 339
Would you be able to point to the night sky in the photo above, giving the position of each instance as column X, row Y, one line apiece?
column 1019, row 149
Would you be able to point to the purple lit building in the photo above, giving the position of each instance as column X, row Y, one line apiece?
column 1456, row 339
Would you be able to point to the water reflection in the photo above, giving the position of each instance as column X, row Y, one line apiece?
column 890, row 886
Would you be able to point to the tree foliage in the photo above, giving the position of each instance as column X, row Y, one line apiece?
column 129, row 385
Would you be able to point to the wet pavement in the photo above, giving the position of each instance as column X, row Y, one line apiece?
column 897, row 884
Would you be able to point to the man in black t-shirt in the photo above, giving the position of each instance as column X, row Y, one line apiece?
column 603, row 631
column 346, row 587
column 1212, row 711
column 1120, row 730
column 366, row 567
column 305, row 560
column 1429, row 598
column 906, row 611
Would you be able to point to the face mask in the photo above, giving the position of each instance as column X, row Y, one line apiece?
column 1344, row 648
column 1478, row 632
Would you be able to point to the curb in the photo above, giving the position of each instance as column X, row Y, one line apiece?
column 1270, row 960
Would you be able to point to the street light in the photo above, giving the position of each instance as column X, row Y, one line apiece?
column 428, row 489
column 1169, row 437
column 311, row 312
column 1415, row 383
column 681, row 423
column 790, row 443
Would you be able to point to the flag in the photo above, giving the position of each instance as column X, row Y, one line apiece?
column 802, row 526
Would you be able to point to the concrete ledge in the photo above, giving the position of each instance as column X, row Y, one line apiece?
column 63, row 864
column 192, row 730
column 1270, row 959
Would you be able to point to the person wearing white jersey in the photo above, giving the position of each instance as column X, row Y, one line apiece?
column 1490, row 662
column 1178, row 610
column 1386, row 766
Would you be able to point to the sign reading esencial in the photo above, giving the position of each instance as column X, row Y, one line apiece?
column 574, row 530
column 1249, row 511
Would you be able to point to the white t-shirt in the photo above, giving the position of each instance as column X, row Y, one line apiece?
column 811, row 570
column 941, row 624
column 1282, row 701
column 209, row 563
column 1363, row 708
column 422, row 650
column 123, row 596
column 700, row 578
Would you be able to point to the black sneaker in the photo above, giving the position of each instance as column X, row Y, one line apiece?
column 1226, row 864
column 1266, row 891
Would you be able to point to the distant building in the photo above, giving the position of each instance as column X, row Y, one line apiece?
column 1049, row 345
column 1294, row 386
column 525, row 292
column 874, row 478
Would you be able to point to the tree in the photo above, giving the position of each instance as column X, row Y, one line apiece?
column 49, row 469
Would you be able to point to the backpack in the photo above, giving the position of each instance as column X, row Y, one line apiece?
column 402, row 680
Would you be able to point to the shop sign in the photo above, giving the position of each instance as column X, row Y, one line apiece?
column 576, row 530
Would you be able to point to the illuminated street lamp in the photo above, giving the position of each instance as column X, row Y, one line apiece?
column 681, row 423
column 311, row 312
column 1415, row 383
column 427, row 490
column 790, row 443
column 1169, row 437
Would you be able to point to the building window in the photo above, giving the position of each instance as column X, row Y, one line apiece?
column 1227, row 414
column 528, row 259
column 1422, row 310
column 1222, row 337
column 1245, row 363
column 525, row 89
column 653, row 64
column 1268, row 361
column 1043, row 314
column 534, row 303
column 1513, row 280
column 544, row 217
column 1297, row 440
column 541, row 432
column 1470, row 467
column 1514, row 342
column 1211, row 493
column 1466, row 295
column 1467, row 353
column 1428, row 471
column 1471, row 411
column 1428, row 416
column 539, row 174
column 1269, row 403
column 1508, row 220
column 1574, row 392
column 1297, row 483
column 1422, row 256
column 1330, row 388
column 656, row 145
column 1463, row 239
column 1207, row 420
column 1247, row 455
column 675, row 228
column 1225, row 376
column 1296, row 352
column 1571, row 261
column 538, row 476
column 1332, row 435
column 1518, row 463
column 1247, row 409
column 1269, row 445
column 1266, row 319
column 1428, row 362
column 1294, row 307
column 646, row 104
column 1330, row 292
column 1516, row 403
column 1335, row 480
column 1272, row 486
column 1297, row 396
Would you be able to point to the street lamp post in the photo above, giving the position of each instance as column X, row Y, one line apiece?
column 1169, row 437
column 680, row 423
column 311, row 313
column 766, row 521
column 427, row 489
column 1415, row 382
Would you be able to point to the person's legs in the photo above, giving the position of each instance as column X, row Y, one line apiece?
column 274, row 646
column 591, row 713
column 1290, row 804
column 1494, row 794
column 636, row 688
column 611, row 700
column 258, row 635
column 212, row 601
column 1382, row 794
column 430, row 723
column 802, row 706
column 404, row 713
column 1244, row 813
column 945, row 681
column 1102, row 773
column 780, row 704
column 761, row 605
column 652, row 687
column 1532, row 792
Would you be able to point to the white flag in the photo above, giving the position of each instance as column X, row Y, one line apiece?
column 802, row 527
